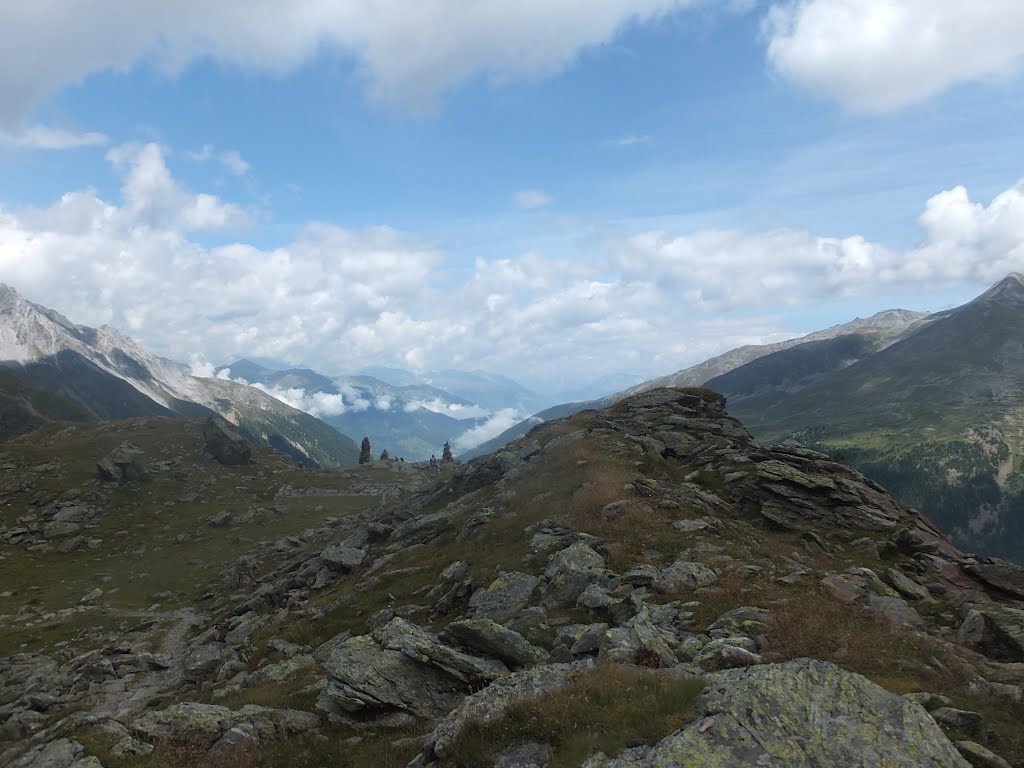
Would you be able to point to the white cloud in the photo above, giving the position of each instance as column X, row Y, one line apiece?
column 878, row 55
column 629, row 140
column 455, row 410
column 409, row 53
column 232, row 160
column 532, row 198
column 153, row 196
column 338, row 299
column 494, row 426
column 203, row 369
column 44, row 137
column 202, row 154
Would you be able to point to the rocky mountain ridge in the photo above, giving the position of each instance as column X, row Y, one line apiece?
column 936, row 416
column 873, row 333
column 53, row 369
column 638, row 586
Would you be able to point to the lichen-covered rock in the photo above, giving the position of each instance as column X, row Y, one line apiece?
column 416, row 643
column 492, row 702
column 581, row 639
column 684, row 576
column 979, row 756
column 570, row 572
column 341, row 557
column 125, row 463
column 364, row 678
column 494, row 640
column 204, row 724
column 745, row 620
column 62, row 753
column 280, row 671
column 964, row 721
column 225, row 444
column 996, row 631
column 905, row 586
column 202, row 661
column 801, row 713
column 727, row 653
column 895, row 611
column 504, row 598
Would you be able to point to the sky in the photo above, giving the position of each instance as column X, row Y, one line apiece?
column 553, row 190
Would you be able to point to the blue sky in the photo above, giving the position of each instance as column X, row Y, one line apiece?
column 554, row 191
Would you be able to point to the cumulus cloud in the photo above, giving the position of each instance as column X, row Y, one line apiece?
column 532, row 198
column 878, row 55
column 494, row 426
column 153, row 196
column 408, row 53
column 339, row 299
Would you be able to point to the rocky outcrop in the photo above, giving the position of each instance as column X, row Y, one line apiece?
column 225, row 444
column 505, row 597
column 204, row 724
column 493, row 702
column 400, row 669
column 494, row 640
column 803, row 712
column 123, row 464
column 62, row 753
column 997, row 631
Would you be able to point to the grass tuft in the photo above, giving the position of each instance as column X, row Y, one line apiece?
column 608, row 708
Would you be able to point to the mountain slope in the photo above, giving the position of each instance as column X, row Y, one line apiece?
column 938, row 417
column 883, row 328
column 876, row 332
column 640, row 586
column 51, row 368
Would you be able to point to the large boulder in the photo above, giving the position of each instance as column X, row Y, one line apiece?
column 341, row 557
column 205, row 724
column 802, row 713
column 570, row 572
column 1000, row 574
column 493, row 701
column 997, row 631
column 494, row 640
column 62, row 753
column 365, row 679
column 225, row 444
column 504, row 598
column 125, row 463
column 419, row 644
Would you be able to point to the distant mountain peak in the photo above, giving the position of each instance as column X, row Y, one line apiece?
column 1009, row 291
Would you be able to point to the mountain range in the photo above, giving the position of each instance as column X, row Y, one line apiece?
column 929, row 405
column 411, row 420
column 878, row 330
column 52, row 369
column 936, row 415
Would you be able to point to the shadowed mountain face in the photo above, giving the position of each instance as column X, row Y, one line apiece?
column 937, row 417
column 52, row 369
